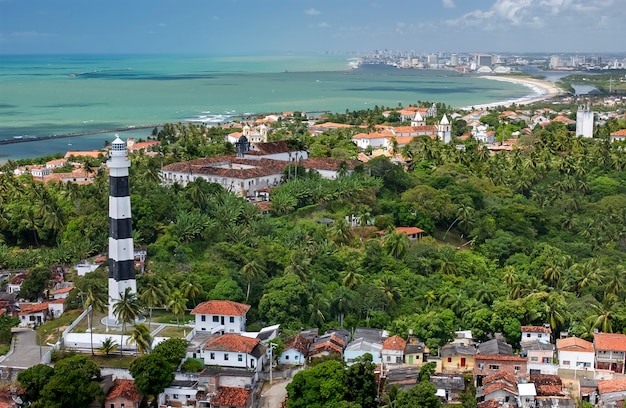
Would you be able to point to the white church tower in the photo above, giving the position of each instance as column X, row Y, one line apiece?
column 584, row 121
column 444, row 130
column 121, row 248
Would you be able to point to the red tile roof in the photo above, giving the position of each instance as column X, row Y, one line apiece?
column 62, row 290
column 574, row 344
column 231, row 397
column 221, row 307
column 488, row 389
column 609, row 341
column 298, row 342
column 619, row 133
column 536, row 329
column 394, row 343
column 607, row 386
column 29, row 308
column 489, row 404
column 124, row 389
column 500, row 376
column 232, row 342
column 498, row 357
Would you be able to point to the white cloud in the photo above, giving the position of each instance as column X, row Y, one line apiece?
column 312, row 12
column 448, row 3
column 323, row 24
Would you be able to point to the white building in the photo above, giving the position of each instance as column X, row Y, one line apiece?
column 235, row 351
column 540, row 333
column 220, row 316
column 584, row 121
column 575, row 354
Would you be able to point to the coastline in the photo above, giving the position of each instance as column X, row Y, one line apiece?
column 542, row 90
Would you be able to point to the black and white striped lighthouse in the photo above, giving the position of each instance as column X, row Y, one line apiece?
column 121, row 248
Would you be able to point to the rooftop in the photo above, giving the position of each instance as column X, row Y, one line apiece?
column 221, row 307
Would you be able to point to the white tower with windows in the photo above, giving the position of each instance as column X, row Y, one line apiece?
column 444, row 130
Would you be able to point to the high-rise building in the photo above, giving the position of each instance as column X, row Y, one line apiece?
column 121, row 247
column 485, row 60
column 454, row 59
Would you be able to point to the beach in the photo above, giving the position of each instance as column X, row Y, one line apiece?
column 541, row 90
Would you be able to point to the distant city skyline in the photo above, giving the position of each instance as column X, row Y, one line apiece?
column 281, row 26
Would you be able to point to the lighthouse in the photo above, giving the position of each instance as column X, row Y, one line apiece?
column 121, row 248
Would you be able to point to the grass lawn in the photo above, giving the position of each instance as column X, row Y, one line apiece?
column 112, row 360
column 4, row 348
column 173, row 331
column 165, row 316
column 49, row 332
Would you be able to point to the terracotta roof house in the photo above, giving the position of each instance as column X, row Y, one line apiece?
column 413, row 233
column 33, row 314
column 489, row 364
column 610, row 349
column 612, row 392
column 329, row 168
column 220, row 316
column 547, row 385
column 457, row 358
column 499, row 387
column 575, row 354
column 234, row 350
column 296, row 350
column 536, row 333
column 620, row 135
column 327, row 344
column 123, row 394
column 243, row 176
column 393, row 351
column 229, row 397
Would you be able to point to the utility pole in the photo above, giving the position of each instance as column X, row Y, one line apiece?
column 271, row 347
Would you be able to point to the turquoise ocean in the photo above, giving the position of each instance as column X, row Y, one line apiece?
column 43, row 95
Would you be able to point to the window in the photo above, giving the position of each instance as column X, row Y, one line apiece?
column 240, row 357
column 494, row 367
column 566, row 362
column 287, row 357
column 517, row 368
column 388, row 359
column 481, row 366
column 216, row 319
column 212, row 356
column 203, row 318
column 398, row 359
column 534, row 359
column 449, row 359
column 527, row 334
column 232, row 319
column 539, row 335
column 226, row 356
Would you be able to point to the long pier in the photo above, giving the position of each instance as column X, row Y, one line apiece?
column 92, row 132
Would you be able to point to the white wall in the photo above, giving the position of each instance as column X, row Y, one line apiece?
column 575, row 360
column 295, row 357
column 237, row 326
column 229, row 359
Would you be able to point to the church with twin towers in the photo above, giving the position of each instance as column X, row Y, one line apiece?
column 121, row 247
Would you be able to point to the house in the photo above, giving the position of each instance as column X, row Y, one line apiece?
column 498, row 387
column 490, row 364
column 541, row 333
column 414, row 352
column 329, row 168
column 457, row 358
column 612, row 393
column 527, row 395
column 220, row 316
column 540, row 357
column 33, row 314
column 326, row 345
column 575, row 354
column 234, row 350
column 393, row 351
column 495, row 346
column 359, row 347
column 610, row 349
column 403, row 377
column 372, row 334
column 449, row 386
column 588, row 389
column 179, row 393
column 413, row 233
column 123, row 394
column 618, row 136
column 296, row 351
column 231, row 397
column 62, row 293
column 15, row 283
column 547, row 385
column 212, row 378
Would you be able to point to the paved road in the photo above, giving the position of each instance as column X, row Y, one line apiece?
column 273, row 396
column 26, row 353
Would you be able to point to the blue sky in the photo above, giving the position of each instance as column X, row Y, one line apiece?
column 247, row 26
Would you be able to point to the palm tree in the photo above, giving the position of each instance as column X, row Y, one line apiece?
column 108, row 346
column 319, row 308
column 396, row 244
column 141, row 337
column 250, row 271
column 190, row 288
column 604, row 313
column 341, row 302
column 177, row 303
column 127, row 309
column 153, row 295
column 96, row 297
column 390, row 289
column 299, row 264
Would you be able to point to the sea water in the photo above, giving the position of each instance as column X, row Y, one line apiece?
column 43, row 95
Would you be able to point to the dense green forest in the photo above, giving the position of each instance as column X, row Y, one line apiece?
column 532, row 236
